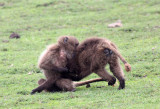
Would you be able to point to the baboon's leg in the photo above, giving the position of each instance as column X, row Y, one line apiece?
column 41, row 81
column 53, row 88
column 84, row 74
column 117, row 72
column 106, row 76
column 65, row 84
column 46, row 85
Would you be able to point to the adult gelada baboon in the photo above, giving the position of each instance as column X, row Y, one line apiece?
column 92, row 56
column 53, row 61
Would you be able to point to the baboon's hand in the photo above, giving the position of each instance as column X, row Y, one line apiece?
column 127, row 67
column 112, row 82
column 35, row 90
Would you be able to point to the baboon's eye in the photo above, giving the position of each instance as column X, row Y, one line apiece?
column 65, row 40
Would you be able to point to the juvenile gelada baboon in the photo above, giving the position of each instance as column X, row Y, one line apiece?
column 53, row 61
column 92, row 56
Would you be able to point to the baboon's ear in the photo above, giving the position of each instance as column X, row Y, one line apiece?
column 65, row 40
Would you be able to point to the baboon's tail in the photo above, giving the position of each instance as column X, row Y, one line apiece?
column 127, row 65
column 87, row 82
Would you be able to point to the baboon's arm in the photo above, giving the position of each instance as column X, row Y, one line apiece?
column 53, row 68
column 106, row 76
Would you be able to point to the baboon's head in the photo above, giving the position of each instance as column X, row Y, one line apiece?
column 70, row 44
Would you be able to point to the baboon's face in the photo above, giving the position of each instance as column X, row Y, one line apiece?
column 70, row 43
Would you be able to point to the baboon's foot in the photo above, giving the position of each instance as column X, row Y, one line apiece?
column 122, row 84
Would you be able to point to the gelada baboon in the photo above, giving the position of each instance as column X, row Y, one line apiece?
column 95, row 53
column 54, row 59
column 92, row 56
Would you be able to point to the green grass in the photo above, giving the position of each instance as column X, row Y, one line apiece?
column 40, row 22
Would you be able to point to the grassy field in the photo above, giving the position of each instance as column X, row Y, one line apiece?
column 40, row 22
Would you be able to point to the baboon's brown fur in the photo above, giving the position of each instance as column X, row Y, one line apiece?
column 92, row 56
column 53, row 61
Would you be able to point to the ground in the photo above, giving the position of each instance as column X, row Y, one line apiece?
column 41, row 22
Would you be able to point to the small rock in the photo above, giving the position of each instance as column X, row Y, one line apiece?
column 30, row 73
column 153, row 48
column 116, row 24
column 14, row 35
column 5, row 41
column 11, row 65
column 156, row 27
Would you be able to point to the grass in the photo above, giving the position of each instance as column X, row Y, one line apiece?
column 40, row 22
